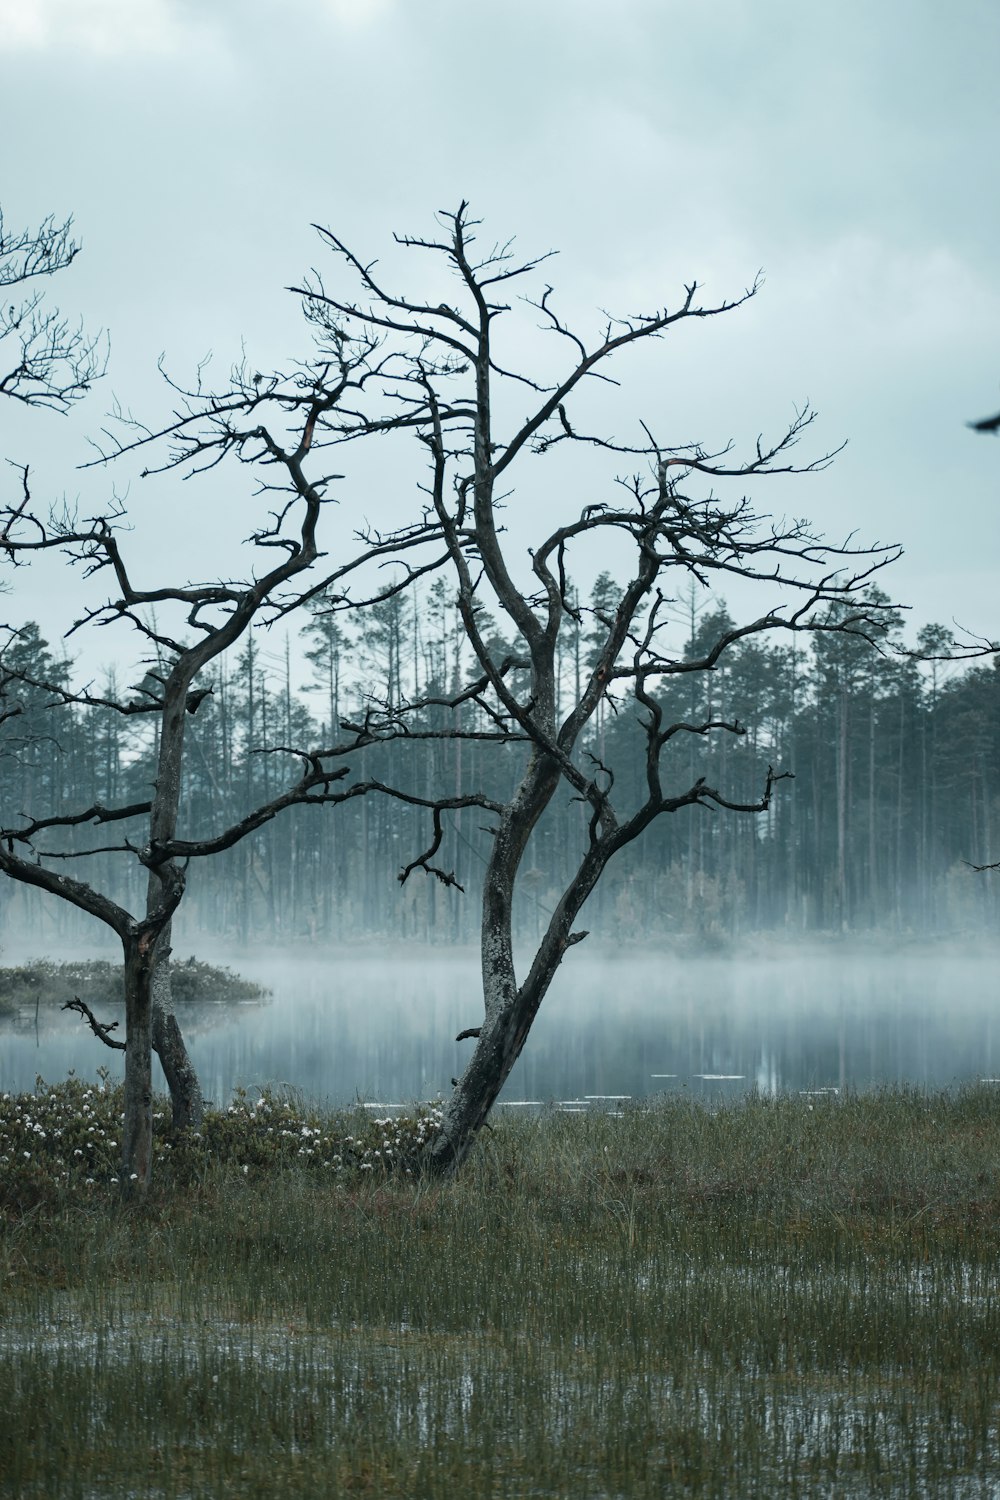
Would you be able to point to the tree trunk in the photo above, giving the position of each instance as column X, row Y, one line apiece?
column 876, row 895
column 510, row 1009
column 165, row 1034
column 137, row 1131
column 186, row 1102
column 842, row 752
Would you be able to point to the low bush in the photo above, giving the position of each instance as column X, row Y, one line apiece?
column 62, row 1142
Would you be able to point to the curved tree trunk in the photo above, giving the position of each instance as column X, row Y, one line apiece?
column 510, row 1009
column 186, row 1102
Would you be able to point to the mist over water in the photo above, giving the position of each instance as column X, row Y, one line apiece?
column 379, row 1024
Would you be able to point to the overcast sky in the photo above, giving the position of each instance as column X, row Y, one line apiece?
column 848, row 151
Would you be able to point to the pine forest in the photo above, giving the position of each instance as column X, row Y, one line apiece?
column 893, row 799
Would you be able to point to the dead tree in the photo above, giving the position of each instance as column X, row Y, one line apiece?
column 217, row 615
column 211, row 618
column 55, row 364
column 457, row 391
column 275, row 424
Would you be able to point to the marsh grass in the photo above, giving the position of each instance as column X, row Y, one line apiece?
column 781, row 1297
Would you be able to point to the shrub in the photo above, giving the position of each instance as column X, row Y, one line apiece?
column 63, row 1141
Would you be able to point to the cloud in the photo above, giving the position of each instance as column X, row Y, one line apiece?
column 357, row 13
column 103, row 28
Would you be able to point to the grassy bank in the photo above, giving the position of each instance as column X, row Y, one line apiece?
column 98, row 982
column 790, row 1297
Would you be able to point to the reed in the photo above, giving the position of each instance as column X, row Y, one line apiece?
column 784, row 1296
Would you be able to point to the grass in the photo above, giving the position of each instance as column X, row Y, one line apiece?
column 782, row 1297
column 100, row 983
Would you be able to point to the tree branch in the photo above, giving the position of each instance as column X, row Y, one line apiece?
column 102, row 1032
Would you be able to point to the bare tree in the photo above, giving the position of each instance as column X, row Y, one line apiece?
column 217, row 615
column 272, row 424
column 455, row 389
column 55, row 364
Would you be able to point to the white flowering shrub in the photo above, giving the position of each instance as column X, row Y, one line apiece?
column 62, row 1136
column 269, row 1129
column 66, row 1138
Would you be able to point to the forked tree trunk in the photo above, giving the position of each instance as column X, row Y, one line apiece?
column 510, row 1009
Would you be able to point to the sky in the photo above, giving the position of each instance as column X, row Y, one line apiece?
column 848, row 152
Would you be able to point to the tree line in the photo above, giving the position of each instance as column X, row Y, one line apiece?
column 895, row 797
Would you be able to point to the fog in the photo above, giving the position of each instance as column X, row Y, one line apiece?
column 378, row 1024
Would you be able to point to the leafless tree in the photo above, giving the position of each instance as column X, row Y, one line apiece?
column 271, row 424
column 455, row 389
column 216, row 615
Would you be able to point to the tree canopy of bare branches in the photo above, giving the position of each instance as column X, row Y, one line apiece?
column 681, row 510
column 45, row 360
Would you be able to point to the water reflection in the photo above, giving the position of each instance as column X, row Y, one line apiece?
column 364, row 1024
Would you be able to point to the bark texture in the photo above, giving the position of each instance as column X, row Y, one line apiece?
column 137, row 1129
column 186, row 1101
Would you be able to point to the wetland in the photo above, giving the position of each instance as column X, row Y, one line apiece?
column 775, row 1272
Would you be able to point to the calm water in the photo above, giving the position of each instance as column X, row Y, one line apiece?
column 364, row 1024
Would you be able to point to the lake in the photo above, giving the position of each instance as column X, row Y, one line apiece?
column 379, row 1025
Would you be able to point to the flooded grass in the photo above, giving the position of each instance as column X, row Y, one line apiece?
column 782, row 1297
